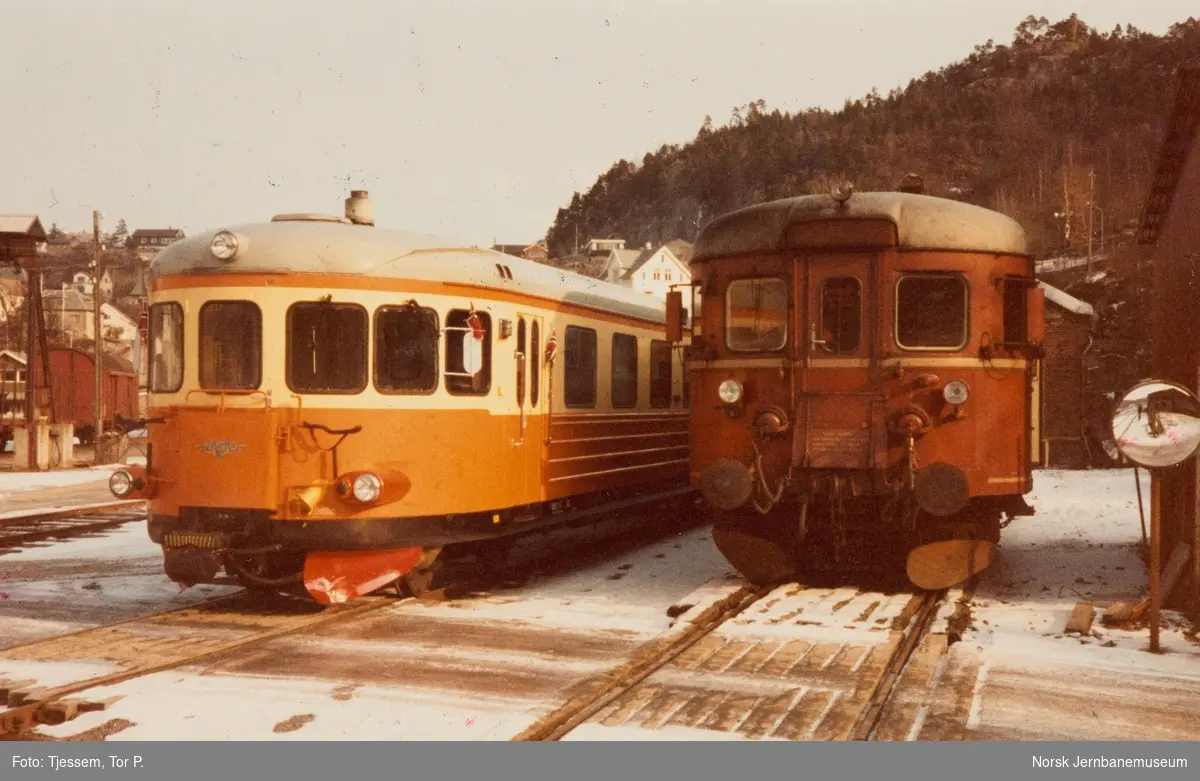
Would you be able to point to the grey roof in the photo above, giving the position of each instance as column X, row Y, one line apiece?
column 679, row 248
column 24, row 224
column 334, row 246
column 922, row 222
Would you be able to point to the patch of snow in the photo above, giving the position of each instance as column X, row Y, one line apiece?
column 22, row 482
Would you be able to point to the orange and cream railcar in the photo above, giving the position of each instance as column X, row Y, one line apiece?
column 867, row 377
column 334, row 404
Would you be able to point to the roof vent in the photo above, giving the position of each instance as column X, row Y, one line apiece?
column 307, row 218
column 358, row 208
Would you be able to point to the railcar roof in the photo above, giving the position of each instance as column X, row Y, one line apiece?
column 922, row 222
column 340, row 248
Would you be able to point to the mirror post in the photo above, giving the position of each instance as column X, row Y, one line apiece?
column 1155, row 559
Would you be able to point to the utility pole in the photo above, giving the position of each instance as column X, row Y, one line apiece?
column 98, row 347
column 1091, row 212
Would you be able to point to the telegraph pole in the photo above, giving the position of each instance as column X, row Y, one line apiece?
column 98, row 347
column 1091, row 213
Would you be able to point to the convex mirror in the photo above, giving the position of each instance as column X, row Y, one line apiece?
column 1157, row 424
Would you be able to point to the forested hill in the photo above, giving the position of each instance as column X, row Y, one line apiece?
column 1019, row 128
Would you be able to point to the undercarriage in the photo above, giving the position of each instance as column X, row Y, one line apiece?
column 830, row 537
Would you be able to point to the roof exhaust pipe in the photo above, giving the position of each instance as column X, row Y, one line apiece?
column 358, row 208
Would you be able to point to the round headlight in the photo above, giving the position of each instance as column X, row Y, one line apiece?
column 730, row 391
column 955, row 392
column 367, row 488
column 121, row 483
column 224, row 245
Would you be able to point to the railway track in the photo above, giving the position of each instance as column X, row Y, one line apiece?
column 789, row 701
column 16, row 530
column 758, row 663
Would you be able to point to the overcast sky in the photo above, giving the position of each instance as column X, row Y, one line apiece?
column 473, row 120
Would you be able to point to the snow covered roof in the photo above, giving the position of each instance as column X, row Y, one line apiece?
column 1067, row 301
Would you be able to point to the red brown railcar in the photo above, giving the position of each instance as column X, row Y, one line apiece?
column 867, row 375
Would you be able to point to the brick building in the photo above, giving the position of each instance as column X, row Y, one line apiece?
column 1171, row 225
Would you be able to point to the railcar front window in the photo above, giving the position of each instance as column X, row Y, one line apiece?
column 326, row 348
column 230, row 345
column 756, row 315
column 406, row 349
column 166, row 347
column 931, row 312
column 841, row 314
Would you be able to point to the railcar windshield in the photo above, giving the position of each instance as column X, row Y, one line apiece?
column 230, row 345
column 166, row 347
column 931, row 312
column 326, row 348
column 406, row 349
column 756, row 315
column 468, row 352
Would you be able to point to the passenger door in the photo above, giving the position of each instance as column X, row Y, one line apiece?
column 839, row 407
column 531, row 390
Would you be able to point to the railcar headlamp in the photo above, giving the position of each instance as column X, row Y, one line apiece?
column 730, row 391
column 224, row 246
column 955, row 392
column 121, row 483
column 367, row 488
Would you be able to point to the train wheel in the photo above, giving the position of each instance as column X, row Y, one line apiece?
column 760, row 547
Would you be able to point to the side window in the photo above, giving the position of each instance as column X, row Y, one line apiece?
column 406, row 349
column 166, row 347
column 1016, row 311
column 931, row 312
column 756, row 315
column 535, row 366
column 230, row 345
column 624, row 370
column 468, row 352
column 841, row 314
column 326, row 348
column 660, row 374
column 579, row 373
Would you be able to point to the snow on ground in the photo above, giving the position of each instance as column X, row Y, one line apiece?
column 51, row 588
column 22, row 482
column 1019, row 677
column 1081, row 546
column 479, row 668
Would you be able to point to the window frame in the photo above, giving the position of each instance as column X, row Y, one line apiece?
column 858, row 342
column 595, row 369
column 437, row 357
column 489, row 356
column 182, row 350
column 787, row 315
column 200, row 345
column 612, row 369
column 287, row 344
column 966, row 325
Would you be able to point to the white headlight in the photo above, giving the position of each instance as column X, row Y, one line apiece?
column 367, row 488
column 955, row 392
column 121, row 483
column 730, row 391
column 224, row 245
